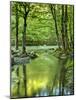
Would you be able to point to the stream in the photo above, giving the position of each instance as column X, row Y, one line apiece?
column 42, row 76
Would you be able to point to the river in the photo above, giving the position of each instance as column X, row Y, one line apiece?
column 43, row 76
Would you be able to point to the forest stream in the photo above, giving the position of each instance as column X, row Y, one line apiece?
column 42, row 76
column 42, row 49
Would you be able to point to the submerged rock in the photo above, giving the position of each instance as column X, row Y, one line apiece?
column 32, row 55
column 23, row 55
column 19, row 60
column 63, row 56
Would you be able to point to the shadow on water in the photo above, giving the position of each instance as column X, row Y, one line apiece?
column 66, row 82
column 43, row 76
column 62, row 77
column 19, row 81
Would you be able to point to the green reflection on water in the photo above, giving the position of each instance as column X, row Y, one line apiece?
column 42, row 74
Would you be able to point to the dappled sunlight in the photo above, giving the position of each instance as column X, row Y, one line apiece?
column 33, row 86
column 42, row 49
column 43, row 76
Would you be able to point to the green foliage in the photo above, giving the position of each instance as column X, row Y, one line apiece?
column 42, row 24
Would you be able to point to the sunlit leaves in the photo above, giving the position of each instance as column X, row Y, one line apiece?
column 40, row 22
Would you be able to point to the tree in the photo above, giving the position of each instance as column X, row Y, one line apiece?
column 25, row 25
column 53, row 11
column 63, row 27
column 17, row 23
column 66, row 31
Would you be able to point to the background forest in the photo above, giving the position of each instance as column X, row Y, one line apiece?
column 42, row 49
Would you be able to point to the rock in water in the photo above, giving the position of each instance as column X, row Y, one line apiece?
column 19, row 60
column 63, row 56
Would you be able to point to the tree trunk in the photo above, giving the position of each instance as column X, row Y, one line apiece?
column 16, row 26
column 70, row 28
column 65, row 31
column 56, row 28
column 73, row 29
column 55, row 20
column 24, row 33
column 63, row 28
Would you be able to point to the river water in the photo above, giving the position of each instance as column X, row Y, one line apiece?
column 43, row 76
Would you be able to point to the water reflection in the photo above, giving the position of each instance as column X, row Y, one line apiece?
column 44, row 76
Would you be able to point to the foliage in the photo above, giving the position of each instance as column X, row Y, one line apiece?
column 47, row 32
column 40, row 23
